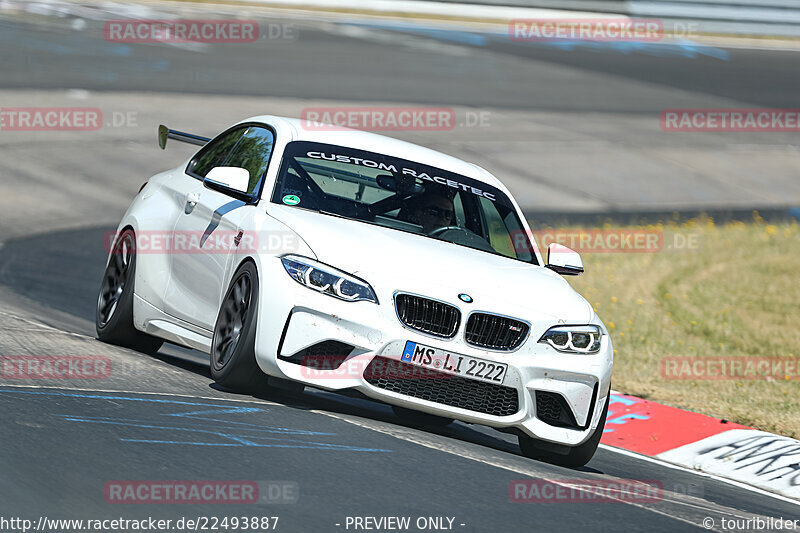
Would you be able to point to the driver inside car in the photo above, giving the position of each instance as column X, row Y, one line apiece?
column 432, row 211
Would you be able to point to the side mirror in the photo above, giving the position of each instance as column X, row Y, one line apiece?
column 232, row 178
column 563, row 260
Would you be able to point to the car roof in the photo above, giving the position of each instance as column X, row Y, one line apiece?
column 294, row 129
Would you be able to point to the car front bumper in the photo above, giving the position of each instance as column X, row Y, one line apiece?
column 292, row 318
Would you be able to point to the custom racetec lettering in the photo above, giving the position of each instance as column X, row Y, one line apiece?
column 447, row 182
column 351, row 160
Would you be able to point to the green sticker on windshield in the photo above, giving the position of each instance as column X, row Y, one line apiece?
column 291, row 199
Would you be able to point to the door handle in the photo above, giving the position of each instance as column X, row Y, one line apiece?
column 191, row 201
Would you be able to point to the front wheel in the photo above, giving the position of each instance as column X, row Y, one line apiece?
column 233, row 358
column 576, row 456
column 114, row 312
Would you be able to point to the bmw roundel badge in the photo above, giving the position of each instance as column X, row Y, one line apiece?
column 466, row 298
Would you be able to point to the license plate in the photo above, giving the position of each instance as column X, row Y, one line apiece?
column 452, row 363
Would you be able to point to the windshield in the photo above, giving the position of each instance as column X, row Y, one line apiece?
column 401, row 195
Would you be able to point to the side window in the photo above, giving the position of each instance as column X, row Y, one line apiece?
column 502, row 227
column 248, row 147
column 214, row 154
column 252, row 154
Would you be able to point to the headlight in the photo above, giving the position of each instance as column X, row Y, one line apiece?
column 327, row 280
column 573, row 339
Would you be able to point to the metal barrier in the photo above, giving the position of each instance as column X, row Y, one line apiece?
column 740, row 17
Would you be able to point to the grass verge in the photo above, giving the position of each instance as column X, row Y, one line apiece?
column 712, row 291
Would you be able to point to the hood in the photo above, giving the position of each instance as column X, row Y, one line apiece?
column 392, row 260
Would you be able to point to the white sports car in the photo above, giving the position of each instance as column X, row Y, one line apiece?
column 342, row 260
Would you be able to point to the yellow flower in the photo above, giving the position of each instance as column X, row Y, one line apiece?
column 611, row 325
column 771, row 230
column 694, row 322
column 639, row 301
column 621, row 333
column 630, row 322
column 613, row 299
column 667, row 296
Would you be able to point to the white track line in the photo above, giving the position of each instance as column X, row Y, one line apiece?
column 403, row 434
column 44, row 326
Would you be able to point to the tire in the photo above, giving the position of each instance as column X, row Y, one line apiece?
column 114, row 310
column 419, row 418
column 574, row 457
column 233, row 358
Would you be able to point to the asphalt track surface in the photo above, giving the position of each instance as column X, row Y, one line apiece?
column 161, row 418
column 372, row 61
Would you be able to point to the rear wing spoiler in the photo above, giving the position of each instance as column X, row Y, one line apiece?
column 165, row 133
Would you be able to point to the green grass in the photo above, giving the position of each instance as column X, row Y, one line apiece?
column 736, row 294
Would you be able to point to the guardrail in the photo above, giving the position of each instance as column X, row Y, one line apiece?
column 740, row 17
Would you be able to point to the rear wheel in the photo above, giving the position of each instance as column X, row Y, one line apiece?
column 233, row 358
column 419, row 418
column 573, row 457
column 114, row 312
